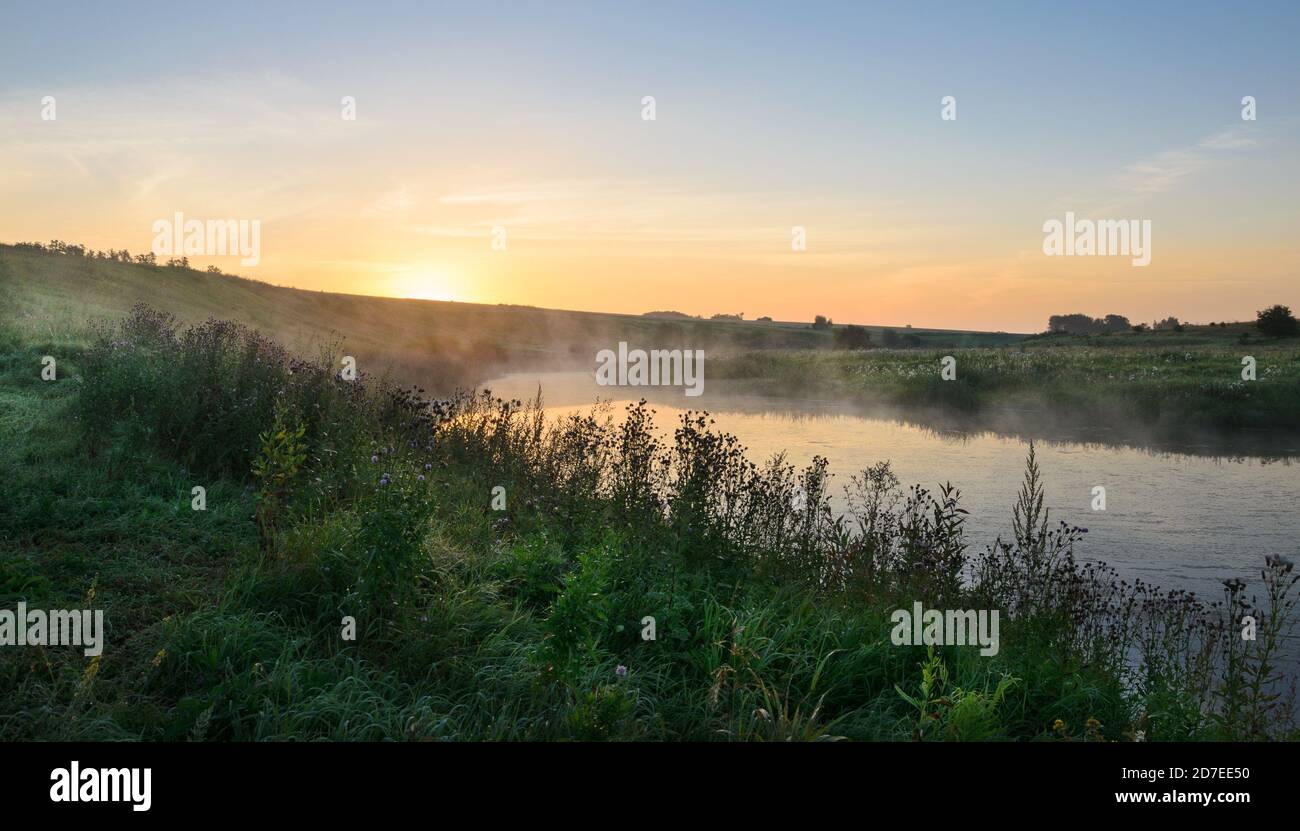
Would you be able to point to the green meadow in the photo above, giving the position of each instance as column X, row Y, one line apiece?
column 374, row 561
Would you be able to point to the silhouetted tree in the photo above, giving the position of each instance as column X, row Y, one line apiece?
column 852, row 337
column 1276, row 322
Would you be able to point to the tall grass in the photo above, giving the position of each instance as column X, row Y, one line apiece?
column 365, row 501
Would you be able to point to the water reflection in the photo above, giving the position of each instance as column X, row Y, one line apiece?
column 565, row 390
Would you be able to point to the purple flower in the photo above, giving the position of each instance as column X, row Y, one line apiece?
column 621, row 671
column 420, row 478
column 374, row 459
column 428, row 465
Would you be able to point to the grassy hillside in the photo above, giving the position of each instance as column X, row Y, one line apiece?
column 438, row 345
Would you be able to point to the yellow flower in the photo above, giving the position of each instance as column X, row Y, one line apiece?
column 1058, row 725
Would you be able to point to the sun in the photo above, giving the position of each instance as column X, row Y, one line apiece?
column 425, row 284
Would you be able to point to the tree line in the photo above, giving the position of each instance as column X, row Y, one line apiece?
column 1275, row 321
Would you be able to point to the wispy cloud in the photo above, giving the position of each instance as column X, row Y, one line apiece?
column 391, row 202
column 507, row 197
column 1168, row 169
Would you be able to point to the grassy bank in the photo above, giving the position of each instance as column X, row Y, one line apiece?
column 1173, row 383
column 329, row 501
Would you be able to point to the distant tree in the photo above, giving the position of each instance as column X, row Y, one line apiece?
column 1141, row 327
column 1276, row 322
column 821, row 322
column 852, row 337
column 764, row 319
column 212, row 269
column 740, row 316
column 1117, row 323
column 1073, row 324
column 890, row 339
column 1082, row 324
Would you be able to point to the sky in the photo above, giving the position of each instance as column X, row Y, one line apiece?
column 528, row 118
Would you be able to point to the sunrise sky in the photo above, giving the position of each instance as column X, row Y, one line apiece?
column 768, row 116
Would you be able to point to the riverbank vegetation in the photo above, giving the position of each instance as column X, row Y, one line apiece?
column 1167, row 381
column 509, row 578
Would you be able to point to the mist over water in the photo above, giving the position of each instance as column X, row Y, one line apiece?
column 1177, row 516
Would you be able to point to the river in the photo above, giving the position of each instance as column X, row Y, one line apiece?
column 1177, row 516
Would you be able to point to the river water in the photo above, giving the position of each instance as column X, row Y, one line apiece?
column 1177, row 516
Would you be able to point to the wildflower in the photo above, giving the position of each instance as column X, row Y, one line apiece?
column 621, row 671
column 374, row 459
column 1140, row 736
column 428, row 465
column 420, row 478
column 1278, row 561
column 1058, row 725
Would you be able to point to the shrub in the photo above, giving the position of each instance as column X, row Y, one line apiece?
column 1276, row 322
